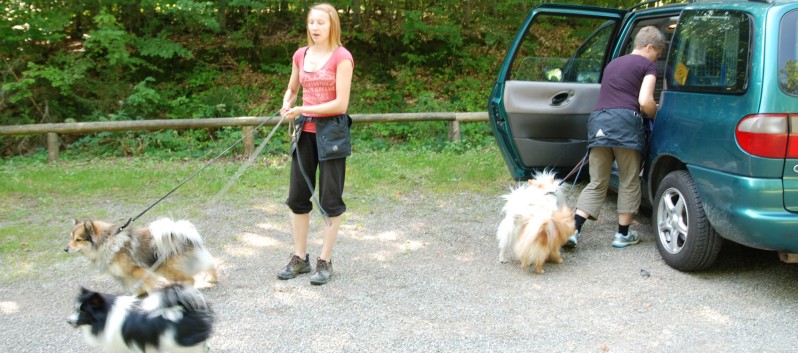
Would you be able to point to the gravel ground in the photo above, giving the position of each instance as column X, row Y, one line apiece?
column 417, row 273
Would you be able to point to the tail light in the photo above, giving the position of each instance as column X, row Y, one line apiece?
column 792, row 140
column 769, row 135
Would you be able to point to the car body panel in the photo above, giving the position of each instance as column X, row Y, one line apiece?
column 747, row 210
column 783, row 102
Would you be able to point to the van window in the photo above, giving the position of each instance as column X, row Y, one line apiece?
column 710, row 52
column 563, row 49
column 788, row 53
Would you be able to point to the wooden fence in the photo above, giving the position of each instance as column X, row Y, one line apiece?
column 247, row 123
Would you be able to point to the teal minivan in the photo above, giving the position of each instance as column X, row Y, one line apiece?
column 722, row 160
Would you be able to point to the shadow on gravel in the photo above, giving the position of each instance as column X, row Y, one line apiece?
column 735, row 258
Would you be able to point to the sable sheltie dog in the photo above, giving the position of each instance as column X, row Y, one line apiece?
column 536, row 223
column 130, row 254
column 173, row 319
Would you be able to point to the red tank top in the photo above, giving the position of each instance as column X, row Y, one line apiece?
column 319, row 86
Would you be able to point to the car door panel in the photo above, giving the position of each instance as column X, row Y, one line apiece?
column 548, row 120
column 549, row 84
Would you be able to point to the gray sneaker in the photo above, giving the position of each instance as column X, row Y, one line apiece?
column 572, row 240
column 295, row 267
column 323, row 272
column 622, row 241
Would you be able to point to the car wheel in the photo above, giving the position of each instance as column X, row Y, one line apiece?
column 685, row 239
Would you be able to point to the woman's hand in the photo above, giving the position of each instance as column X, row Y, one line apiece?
column 291, row 113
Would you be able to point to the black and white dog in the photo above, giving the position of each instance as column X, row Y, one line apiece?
column 175, row 319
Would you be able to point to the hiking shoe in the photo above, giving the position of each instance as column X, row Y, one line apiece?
column 295, row 267
column 622, row 241
column 323, row 272
column 572, row 240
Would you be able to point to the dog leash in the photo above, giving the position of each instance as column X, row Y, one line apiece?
column 246, row 165
column 150, row 272
column 295, row 133
column 130, row 220
column 578, row 170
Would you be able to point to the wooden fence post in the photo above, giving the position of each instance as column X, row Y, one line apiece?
column 454, row 131
column 249, row 141
column 52, row 147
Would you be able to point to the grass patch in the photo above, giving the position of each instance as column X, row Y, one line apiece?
column 436, row 172
column 44, row 199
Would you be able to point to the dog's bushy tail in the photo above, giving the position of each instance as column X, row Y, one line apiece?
column 196, row 312
column 185, row 296
column 540, row 236
column 171, row 238
column 562, row 225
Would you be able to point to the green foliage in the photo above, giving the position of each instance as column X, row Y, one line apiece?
column 161, row 47
column 788, row 77
column 142, row 102
column 148, row 59
column 197, row 15
column 109, row 41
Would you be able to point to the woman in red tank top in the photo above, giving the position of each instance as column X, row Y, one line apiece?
column 323, row 70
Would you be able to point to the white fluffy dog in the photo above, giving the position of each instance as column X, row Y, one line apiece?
column 537, row 222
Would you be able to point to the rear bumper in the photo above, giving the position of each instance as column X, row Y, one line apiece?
column 749, row 211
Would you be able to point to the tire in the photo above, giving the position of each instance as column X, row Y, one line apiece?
column 685, row 239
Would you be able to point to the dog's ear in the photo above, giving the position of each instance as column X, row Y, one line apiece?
column 76, row 222
column 91, row 231
column 96, row 300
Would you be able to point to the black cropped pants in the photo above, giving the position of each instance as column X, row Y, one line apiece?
column 331, row 176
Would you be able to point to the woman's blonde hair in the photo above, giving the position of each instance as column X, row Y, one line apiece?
column 335, row 23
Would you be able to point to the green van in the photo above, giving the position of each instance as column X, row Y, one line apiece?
column 722, row 160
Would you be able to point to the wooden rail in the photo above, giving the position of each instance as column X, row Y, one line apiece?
column 247, row 123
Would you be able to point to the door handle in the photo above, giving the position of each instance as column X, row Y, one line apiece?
column 560, row 98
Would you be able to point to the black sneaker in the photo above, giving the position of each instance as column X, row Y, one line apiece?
column 323, row 272
column 295, row 267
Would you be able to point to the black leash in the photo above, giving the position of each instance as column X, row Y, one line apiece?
column 294, row 142
column 131, row 220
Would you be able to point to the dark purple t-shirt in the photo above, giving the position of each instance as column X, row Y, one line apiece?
column 620, row 86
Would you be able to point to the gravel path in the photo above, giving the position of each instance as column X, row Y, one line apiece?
column 418, row 273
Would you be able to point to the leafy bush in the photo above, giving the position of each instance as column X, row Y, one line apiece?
column 136, row 59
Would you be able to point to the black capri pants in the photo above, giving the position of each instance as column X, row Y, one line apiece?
column 332, row 174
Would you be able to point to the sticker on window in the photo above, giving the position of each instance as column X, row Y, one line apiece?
column 681, row 73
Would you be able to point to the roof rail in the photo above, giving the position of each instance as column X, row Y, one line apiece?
column 645, row 3
column 648, row 2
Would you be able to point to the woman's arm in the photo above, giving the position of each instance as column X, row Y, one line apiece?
column 343, row 85
column 646, row 97
column 291, row 92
